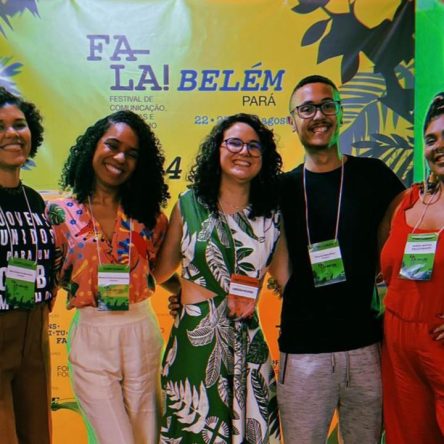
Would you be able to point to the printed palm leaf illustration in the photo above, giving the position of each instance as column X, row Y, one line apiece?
column 394, row 150
column 9, row 8
column 374, row 100
column 9, row 69
column 386, row 45
column 366, row 117
column 273, row 411
column 68, row 404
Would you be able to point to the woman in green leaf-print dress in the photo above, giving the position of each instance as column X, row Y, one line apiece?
column 217, row 377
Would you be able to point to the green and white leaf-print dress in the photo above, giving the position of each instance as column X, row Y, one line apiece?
column 217, row 377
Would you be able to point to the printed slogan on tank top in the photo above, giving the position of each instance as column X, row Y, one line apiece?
column 24, row 238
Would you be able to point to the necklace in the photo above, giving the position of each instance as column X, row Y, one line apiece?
column 434, row 196
column 223, row 204
column 338, row 211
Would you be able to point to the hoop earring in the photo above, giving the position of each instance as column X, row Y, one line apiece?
column 432, row 181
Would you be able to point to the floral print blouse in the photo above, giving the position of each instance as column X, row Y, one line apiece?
column 79, row 239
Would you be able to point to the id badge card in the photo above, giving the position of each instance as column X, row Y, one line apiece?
column 419, row 256
column 326, row 263
column 113, row 281
column 20, row 283
column 242, row 295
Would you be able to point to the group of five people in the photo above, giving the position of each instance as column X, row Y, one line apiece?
column 110, row 243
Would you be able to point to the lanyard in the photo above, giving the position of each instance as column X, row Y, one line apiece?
column 11, row 248
column 338, row 211
column 96, row 235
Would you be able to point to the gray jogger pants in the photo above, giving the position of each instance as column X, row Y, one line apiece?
column 312, row 386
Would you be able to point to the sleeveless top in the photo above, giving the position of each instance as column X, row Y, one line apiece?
column 418, row 301
column 213, row 247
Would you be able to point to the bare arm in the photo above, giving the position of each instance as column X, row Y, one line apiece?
column 169, row 256
column 384, row 226
column 280, row 268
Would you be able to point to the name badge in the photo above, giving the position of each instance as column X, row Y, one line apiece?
column 113, row 282
column 326, row 263
column 242, row 295
column 419, row 257
column 20, row 283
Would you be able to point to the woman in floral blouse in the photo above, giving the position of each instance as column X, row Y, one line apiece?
column 109, row 233
column 217, row 375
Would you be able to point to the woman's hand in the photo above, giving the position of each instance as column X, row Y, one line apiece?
column 174, row 304
column 438, row 332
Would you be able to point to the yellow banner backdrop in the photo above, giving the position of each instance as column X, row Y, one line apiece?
column 183, row 65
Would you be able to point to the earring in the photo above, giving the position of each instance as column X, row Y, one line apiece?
column 432, row 181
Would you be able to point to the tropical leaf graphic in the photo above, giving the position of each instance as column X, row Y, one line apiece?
column 260, row 389
column 207, row 228
column 394, row 150
column 240, row 374
column 372, row 101
column 190, row 404
column 242, row 253
column 192, row 273
column 201, row 335
column 188, row 244
column 213, row 367
column 164, row 430
column 7, row 71
column 216, row 263
column 246, row 267
column 56, row 214
column 9, row 8
column 223, row 388
column 215, row 431
column 192, row 310
column 68, row 404
column 253, row 432
column 244, row 224
column 307, row 6
column 170, row 358
column 214, row 326
column 164, row 440
column 222, row 230
column 257, row 350
column 273, row 419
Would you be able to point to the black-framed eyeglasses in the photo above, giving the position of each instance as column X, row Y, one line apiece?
column 235, row 145
column 308, row 110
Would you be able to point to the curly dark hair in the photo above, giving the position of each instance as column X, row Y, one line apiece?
column 145, row 192
column 436, row 108
column 32, row 116
column 205, row 174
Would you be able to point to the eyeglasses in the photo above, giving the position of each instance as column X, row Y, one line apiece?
column 308, row 110
column 235, row 145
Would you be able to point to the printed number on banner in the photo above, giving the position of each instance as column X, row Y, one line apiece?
column 201, row 120
column 173, row 169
